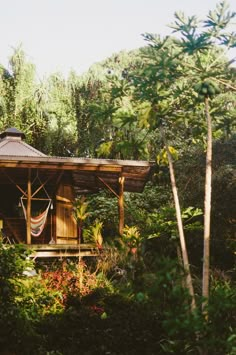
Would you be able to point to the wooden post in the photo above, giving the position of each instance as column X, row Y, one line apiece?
column 121, row 205
column 28, row 210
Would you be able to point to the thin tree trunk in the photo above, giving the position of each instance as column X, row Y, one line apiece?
column 207, row 209
column 189, row 283
column 121, row 205
column 79, row 238
column 28, row 210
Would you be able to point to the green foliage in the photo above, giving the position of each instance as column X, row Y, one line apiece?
column 216, row 23
column 104, row 150
column 13, row 261
column 162, row 156
column 54, row 311
column 16, row 299
column 61, row 139
column 103, row 207
column 190, row 170
column 162, row 222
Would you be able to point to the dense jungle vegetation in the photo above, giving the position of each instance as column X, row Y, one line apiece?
column 168, row 284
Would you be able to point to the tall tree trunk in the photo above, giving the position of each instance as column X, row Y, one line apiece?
column 207, row 208
column 121, row 205
column 189, row 283
column 28, row 210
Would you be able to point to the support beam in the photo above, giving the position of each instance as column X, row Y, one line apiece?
column 120, row 197
column 41, row 186
column 109, row 187
column 11, row 180
column 121, row 205
column 28, row 210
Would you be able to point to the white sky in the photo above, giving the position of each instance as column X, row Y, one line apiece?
column 60, row 35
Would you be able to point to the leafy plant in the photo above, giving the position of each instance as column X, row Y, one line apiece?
column 132, row 239
column 80, row 213
column 94, row 233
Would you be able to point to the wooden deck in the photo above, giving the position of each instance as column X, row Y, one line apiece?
column 62, row 250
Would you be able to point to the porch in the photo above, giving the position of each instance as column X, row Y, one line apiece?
column 15, row 228
column 38, row 193
column 62, row 250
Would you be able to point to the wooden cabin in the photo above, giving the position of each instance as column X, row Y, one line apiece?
column 37, row 189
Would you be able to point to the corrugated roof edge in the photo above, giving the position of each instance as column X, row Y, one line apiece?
column 71, row 160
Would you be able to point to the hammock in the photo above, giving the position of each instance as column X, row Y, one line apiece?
column 37, row 223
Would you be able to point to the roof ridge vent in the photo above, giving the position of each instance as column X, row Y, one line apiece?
column 12, row 133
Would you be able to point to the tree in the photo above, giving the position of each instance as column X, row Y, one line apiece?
column 17, row 88
column 161, row 103
column 22, row 104
column 61, row 131
column 211, row 66
column 106, row 112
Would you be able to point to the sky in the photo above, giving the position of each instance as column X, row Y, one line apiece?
column 64, row 35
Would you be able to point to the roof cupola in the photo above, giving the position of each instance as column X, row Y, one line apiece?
column 12, row 133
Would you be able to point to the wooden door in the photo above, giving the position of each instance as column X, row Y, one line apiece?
column 66, row 226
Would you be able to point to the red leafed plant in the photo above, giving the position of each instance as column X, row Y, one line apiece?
column 67, row 283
